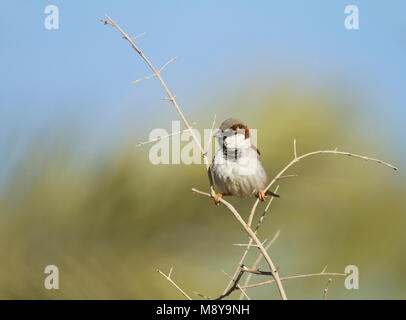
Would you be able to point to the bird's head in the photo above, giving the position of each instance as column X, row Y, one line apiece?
column 233, row 134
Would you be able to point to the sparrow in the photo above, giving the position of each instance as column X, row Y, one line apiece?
column 237, row 167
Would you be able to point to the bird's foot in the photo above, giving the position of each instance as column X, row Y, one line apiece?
column 217, row 198
column 261, row 195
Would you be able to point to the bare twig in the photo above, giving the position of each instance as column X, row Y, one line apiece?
column 145, row 78
column 299, row 276
column 138, row 36
column 256, row 240
column 141, row 143
column 167, row 99
column 245, row 245
column 171, row 97
column 165, row 65
column 202, row 295
column 212, row 192
column 251, row 216
column 288, row 176
column 154, row 75
column 267, row 273
column 336, row 152
column 258, row 272
column 249, row 245
column 261, row 218
column 298, row 158
column 235, row 286
column 168, row 277
column 258, row 260
column 326, row 288
column 251, row 240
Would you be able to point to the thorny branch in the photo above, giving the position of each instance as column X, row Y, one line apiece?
column 277, row 177
column 244, row 269
column 251, row 240
column 168, row 277
column 251, row 233
column 235, row 286
column 156, row 72
column 241, row 269
column 335, row 151
column 258, row 260
column 295, row 160
column 171, row 97
column 326, row 288
column 299, row 276
column 141, row 143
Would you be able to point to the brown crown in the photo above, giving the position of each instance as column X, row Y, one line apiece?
column 235, row 124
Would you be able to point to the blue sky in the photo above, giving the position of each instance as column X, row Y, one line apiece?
column 82, row 72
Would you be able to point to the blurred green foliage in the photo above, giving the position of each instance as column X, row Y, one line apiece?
column 110, row 222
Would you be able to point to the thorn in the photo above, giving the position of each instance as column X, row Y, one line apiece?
column 170, row 272
column 164, row 66
column 145, row 78
column 138, row 36
column 169, row 99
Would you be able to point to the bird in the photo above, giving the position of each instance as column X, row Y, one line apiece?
column 236, row 166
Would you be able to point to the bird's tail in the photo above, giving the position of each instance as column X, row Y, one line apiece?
column 270, row 193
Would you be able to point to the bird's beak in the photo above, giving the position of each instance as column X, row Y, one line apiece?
column 218, row 133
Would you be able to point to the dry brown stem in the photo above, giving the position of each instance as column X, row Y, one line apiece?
column 168, row 277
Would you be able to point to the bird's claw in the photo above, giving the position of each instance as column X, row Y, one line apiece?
column 261, row 195
column 217, row 198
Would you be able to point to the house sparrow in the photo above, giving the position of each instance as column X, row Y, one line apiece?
column 237, row 167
